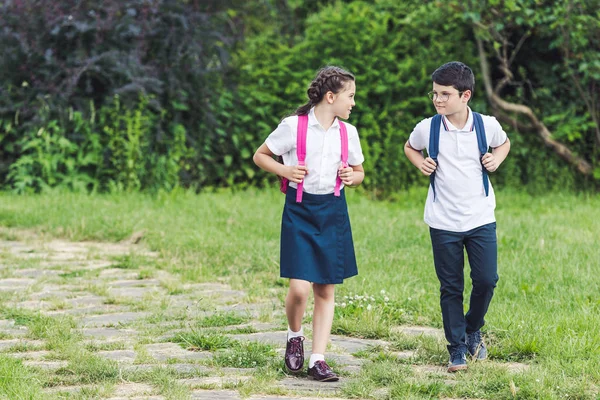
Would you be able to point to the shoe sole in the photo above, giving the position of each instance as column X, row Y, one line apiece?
column 332, row 379
column 294, row 372
column 456, row 368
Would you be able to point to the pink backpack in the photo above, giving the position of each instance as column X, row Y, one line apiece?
column 301, row 153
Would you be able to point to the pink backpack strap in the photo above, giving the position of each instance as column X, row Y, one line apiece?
column 301, row 150
column 344, row 139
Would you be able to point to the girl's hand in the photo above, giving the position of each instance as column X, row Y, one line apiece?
column 296, row 173
column 347, row 175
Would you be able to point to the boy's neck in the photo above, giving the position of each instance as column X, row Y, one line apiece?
column 324, row 116
column 459, row 119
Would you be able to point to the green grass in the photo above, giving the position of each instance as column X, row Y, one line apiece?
column 545, row 312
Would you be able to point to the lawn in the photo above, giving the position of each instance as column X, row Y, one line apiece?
column 545, row 312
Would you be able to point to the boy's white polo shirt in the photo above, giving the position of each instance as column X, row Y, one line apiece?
column 461, row 203
column 323, row 151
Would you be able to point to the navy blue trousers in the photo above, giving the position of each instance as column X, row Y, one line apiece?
column 448, row 255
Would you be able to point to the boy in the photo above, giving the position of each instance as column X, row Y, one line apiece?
column 460, row 206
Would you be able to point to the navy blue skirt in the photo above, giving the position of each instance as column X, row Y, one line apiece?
column 316, row 239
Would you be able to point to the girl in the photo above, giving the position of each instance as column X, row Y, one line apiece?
column 316, row 240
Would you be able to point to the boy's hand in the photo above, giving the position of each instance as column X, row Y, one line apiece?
column 489, row 162
column 346, row 175
column 296, row 173
column 428, row 166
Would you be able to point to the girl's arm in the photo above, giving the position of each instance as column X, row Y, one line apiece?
column 353, row 175
column 264, row 159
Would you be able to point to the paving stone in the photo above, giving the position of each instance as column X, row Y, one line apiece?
column 112, row 319
column 271, row 397
column 138, row 398
column 181, row 368
column 121, row 356
column 215, row 395
column 118, row 273
column 30, row 355
column 277, row 338
column 109, row 334
column 8, row 343
column 46, row 365
column 430, row 369
column 6, row 323
column 404, row 355
column 418, row 331
column 353, row 345
column 515, row 367
column 132, row 389
column 166, row 351
column 304, row 384
column 15, row 284
column 66, row 389
column 36, row 272
column 217, row 381
column 133, row 292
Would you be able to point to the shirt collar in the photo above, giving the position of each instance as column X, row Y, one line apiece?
column 312, row 119
column 469, row 126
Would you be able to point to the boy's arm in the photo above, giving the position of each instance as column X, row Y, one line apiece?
column 426, row 165
column 264, row 159
column 491, row 161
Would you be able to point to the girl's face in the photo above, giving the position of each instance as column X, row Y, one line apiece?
column 343, row 101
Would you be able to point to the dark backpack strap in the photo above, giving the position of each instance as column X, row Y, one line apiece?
column 434, row 146
column 483, row 148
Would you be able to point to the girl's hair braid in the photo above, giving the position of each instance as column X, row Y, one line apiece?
column 328, row 79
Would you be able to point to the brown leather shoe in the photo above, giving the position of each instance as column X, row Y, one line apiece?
column 322, row 372
column 294, row 354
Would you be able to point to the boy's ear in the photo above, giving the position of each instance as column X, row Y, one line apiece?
column 467, row 95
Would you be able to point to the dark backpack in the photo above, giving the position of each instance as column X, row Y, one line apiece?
column 434, row 147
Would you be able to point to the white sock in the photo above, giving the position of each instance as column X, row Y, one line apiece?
column 314, row 358
column 292, row 334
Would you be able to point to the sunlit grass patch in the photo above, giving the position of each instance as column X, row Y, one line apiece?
column 17, row 381
column 197, row 340
column 245, row 355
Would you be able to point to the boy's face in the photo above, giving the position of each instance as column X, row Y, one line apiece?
column 343, row 101
column 447, row 99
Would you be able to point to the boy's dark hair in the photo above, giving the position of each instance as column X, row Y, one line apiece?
column 455, row 74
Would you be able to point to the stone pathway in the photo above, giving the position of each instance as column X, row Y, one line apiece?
column 130, row 314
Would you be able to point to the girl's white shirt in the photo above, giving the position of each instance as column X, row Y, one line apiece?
column 323, row 151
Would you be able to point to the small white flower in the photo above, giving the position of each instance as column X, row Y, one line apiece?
column 409, row 299
column 369, row 307
column 350, row 302
column 382, row 291
column 343, row 305
column 386, row 299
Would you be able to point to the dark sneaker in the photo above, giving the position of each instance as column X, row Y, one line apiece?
column 475, row 345
column 458, row 360
column 322, row 372
column 294, row 354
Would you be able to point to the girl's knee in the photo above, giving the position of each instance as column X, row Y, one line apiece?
column 324, row 291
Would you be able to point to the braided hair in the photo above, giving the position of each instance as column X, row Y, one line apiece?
column 328, row 79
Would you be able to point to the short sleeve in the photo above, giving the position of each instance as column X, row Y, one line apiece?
column 282, row 139
column 419, row 138
column 355, row 154
column 498, row 136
